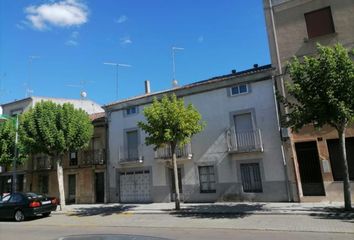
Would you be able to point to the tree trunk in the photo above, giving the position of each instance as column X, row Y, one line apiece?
column 343, row 157
column 61, row 183
column 175, row 173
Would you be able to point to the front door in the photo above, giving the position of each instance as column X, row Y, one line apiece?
column 172, row 185
column 99, row 187
column 72, row 188
column 309, row 167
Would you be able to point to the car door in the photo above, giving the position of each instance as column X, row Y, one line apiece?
column 14, row 203
column 4, row 206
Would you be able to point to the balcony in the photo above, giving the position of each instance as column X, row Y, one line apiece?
column 130, row 155
column 182, row 153
column 93, row 157
column 244, row 141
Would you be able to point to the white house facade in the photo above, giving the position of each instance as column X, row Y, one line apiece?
column 237, row 157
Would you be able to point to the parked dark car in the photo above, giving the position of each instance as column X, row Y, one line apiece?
column 19, row 205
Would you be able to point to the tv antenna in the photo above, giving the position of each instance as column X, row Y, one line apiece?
column 117, row 65
column 174, row 80
column 29, row 89
column 82, row 85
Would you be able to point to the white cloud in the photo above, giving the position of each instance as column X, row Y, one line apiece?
column 65, row 13
column 73, row 40
column 125, row 40
column 121, row 19
column 71, row 43
column 200, row 39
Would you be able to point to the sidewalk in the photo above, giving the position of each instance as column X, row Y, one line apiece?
column 327, row 209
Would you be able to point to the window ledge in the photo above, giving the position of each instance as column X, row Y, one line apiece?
column 318, row 38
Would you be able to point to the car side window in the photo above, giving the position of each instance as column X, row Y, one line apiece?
column 5, row 198
column 16, row 198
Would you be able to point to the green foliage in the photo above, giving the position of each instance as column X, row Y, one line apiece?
column 55, row 129
column 7, row 143
column 323, row 87
column 169, row 121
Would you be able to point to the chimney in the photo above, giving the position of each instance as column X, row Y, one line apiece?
column 255, row 65
column 233, row 71
column 147, row 87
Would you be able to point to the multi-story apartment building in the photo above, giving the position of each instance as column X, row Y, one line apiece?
column 238, row 156
column 294, row 28
column 84, row 171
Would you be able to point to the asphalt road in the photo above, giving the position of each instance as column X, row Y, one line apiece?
column 16, row 231
column 217, row 227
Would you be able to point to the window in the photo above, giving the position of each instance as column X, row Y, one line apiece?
column 16, row 198
column 319, row 22
column 251, row 177
column 132, row 145
column 73, row 158
column 131, row 111
column 207, row 179
column 239, row 89
column 336, row 164
column 43, row 182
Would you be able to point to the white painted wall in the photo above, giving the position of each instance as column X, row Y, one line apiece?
column 210, row 146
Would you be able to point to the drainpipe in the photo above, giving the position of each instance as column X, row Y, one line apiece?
column 107, row 185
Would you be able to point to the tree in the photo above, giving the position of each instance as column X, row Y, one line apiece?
column 7, row 144
column 323, row 89
column 169, row 122
column 55, row 130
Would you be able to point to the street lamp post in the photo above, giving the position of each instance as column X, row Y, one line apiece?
column 4, row 118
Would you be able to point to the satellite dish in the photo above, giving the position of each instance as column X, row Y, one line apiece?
column 83, row 94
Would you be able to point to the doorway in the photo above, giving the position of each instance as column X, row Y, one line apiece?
column 172, row 184
column 99, row 184
column 310, row 169
column 72, row 188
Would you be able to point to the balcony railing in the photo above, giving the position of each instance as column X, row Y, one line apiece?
column 93, row 157
column 244, row 141
column 184, row 152
column 131, row 155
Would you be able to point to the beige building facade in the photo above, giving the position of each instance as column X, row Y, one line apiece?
column 84, row 171
column 294, row 29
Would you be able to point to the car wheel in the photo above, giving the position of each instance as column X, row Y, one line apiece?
column 46, row 214
column 19, row 216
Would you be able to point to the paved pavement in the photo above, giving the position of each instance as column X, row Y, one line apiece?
column 259, row 208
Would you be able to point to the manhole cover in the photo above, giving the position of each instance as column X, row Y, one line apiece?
column 110, row 237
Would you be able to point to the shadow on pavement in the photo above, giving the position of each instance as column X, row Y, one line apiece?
column 215, row 211
column 101, row 210
column 335, row 213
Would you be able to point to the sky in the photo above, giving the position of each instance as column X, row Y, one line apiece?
column 57, row 48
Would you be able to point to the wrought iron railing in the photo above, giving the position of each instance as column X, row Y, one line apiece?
column 165, row 152
column 127, row 155
column 244, row 141
column 93, row 157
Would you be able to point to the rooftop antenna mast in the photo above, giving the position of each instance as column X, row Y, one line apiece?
column 82, row 86
column 29, row 90
column 117, row 65
column 174, row 80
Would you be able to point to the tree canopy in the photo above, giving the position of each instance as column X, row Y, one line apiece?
column 323, row 87
column 55, row 129
column 7, row 143
column 170, row 121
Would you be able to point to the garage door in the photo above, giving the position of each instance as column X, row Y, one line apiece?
column 135, row 186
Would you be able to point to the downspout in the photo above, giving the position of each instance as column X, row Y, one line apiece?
column 107, row 195
column 282, row 88
column 286, row 174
